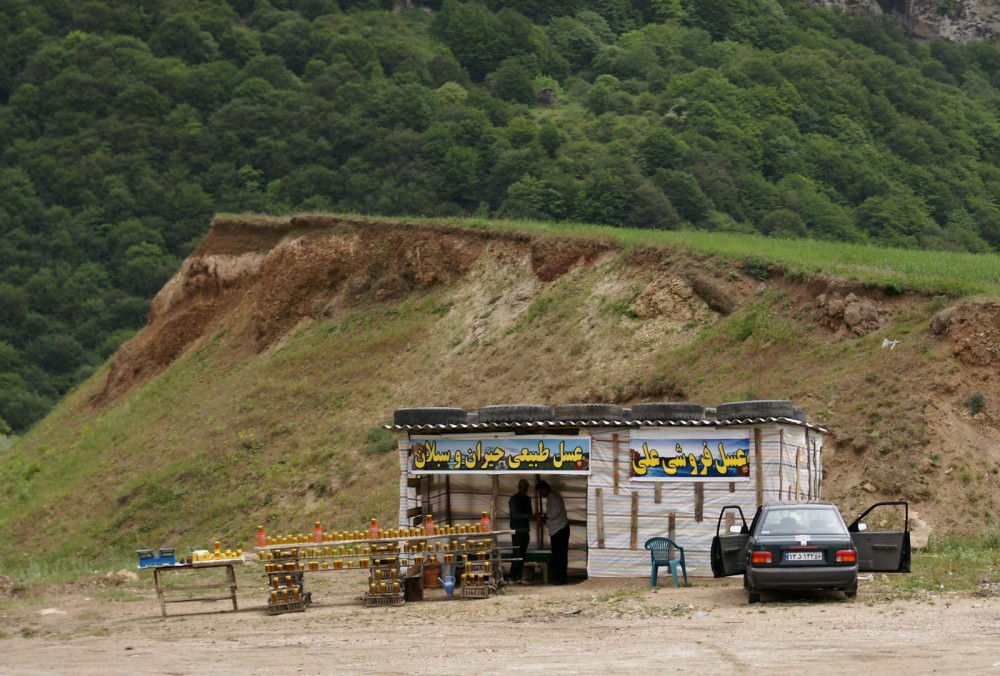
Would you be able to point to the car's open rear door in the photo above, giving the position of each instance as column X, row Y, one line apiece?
column 728, row 549
column 883, row 538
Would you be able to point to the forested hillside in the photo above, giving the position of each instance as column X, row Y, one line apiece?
column 125, row 126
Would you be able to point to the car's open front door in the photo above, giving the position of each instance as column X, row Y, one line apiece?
column 728, row 547
column 883, row 538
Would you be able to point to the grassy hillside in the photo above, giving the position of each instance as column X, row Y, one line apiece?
column 271, row 410
column 123, row 128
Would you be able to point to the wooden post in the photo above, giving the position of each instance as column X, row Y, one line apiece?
column 447, row 497
column 732, row 486
column 699, row 502
column 759, row 464
column 599, row 498
column 809, row 473
column 615, row 438
column 428, row 508
column 798, row 475
column 493, row 502
column 634, row 539
column 672, row 532
column 657, row 492
column 539, row 528
column 781, row 459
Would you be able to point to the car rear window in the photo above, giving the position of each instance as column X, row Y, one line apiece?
column 802, row 521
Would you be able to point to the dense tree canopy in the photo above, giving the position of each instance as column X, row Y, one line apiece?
column 125, row 126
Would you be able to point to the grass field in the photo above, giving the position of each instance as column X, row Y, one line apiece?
column 934, row 272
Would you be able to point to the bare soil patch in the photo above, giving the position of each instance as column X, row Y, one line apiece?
column 596, row 626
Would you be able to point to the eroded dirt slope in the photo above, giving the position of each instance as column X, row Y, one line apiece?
column 559, row 320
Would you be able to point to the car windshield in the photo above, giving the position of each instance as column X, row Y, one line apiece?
column 802, row 521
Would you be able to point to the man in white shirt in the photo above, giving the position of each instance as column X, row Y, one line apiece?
column 557, row 522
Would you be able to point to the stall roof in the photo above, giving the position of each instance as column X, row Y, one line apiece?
column 551, row 424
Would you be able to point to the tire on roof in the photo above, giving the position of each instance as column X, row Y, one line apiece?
column 762, row 408
column 499, row 413
column 668, row 410
column 589, row 412
column 429, row 415
column 472, row 418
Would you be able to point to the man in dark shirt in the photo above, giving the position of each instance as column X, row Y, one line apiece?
column 519, row 507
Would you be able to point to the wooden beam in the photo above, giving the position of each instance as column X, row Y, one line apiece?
column 599, row 498
column 615, row 439
column 781, row 459
column 634, row 537
column 798, row 475
column 809, row 474
column 699, row 502
column 759, row 464
column 658, row 492
column 493, row 502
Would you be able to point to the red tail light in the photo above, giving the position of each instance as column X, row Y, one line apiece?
column 760, row 558
column 847, row 556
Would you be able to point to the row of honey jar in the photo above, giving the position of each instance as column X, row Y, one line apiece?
column 453, row 546
column 283, row 582
column 383, row 587
column 285, row 595
column 334, row 564
column 315, row 552
column 475, row 579
column 357, row 535
column 388, row 574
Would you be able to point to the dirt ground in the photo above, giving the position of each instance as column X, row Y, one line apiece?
column 594, row 626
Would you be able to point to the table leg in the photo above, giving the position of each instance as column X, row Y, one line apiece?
column 158, row 581
column 231, row 574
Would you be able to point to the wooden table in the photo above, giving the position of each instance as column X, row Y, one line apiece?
column 230, row 584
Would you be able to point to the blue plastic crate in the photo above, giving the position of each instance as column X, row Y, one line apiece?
column 150, row 558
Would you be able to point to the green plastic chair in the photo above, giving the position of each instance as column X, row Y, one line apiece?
column 659, row 553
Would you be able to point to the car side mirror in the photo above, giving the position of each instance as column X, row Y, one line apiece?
column 736, row 529
column 862, row 527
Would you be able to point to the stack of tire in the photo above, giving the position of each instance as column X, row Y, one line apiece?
column 429, row 415
column 761, row 408
column 515, row 413
column 667, row 411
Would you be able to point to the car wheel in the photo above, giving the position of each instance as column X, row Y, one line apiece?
column 851, row 593
column 753, row 596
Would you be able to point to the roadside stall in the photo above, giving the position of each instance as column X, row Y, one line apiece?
column 400, row 562
column 657, row 469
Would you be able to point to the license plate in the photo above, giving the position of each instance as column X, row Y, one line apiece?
column 803, row 556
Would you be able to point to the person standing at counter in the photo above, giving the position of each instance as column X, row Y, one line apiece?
column 557, row 522
column 519, row 507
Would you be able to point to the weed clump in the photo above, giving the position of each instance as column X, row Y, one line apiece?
column 975, row 402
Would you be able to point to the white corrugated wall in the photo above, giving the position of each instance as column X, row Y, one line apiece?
column 791, row 457
column 787, row 463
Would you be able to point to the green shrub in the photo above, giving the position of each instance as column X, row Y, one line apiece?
column 975, row 402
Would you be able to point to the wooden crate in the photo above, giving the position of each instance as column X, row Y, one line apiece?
column 377, row 600
column 286, row 607
column 476, row 591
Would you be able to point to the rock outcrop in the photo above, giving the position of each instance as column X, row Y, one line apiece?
column 960, row 21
